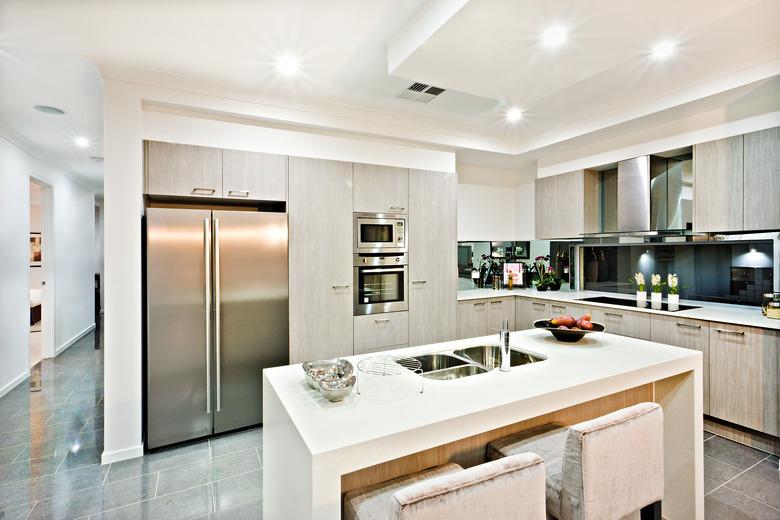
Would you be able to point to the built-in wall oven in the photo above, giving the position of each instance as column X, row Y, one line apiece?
column 381, row 282
column 380, row 233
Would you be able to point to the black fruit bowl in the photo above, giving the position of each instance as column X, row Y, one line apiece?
column 566, row 334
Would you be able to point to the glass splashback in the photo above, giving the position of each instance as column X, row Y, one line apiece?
column 725, row 272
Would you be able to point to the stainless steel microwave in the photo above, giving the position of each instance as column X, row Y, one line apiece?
column 380, row 233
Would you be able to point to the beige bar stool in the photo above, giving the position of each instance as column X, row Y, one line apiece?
column 608, row 468
column 510, row 488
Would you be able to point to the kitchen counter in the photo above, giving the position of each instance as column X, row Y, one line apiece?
column 310, row 444
column 718, row 312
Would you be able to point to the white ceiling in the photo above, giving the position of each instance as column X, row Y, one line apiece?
column 486, row 54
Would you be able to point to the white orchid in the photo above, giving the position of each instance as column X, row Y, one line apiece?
column 673, row 282
column 639, row 278
column 655, row 281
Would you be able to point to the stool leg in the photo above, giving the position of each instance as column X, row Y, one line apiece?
column 651, row 512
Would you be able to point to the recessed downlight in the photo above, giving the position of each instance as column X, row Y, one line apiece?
column 663, row 49
column 81, row 142
column 555, row 36
column 46, row 109
column 288, row 65
column 514, row 114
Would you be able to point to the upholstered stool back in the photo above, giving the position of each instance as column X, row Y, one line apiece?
column 613, row 465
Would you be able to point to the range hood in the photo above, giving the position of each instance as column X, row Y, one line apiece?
column 647, row 196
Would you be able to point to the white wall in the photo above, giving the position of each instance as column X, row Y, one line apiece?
column 495, row 204
column 73, row 261
column 126, row 124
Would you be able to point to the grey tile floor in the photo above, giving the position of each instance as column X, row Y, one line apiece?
column 50, row 447
column 51, row 442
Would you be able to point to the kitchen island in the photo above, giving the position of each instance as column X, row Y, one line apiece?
column 314, row 450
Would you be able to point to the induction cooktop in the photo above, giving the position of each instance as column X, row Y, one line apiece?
column 662, row 306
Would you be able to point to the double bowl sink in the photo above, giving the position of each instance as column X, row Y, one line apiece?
column 470, row 361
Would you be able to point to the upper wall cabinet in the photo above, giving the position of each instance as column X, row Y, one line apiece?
column 252, row 175
column 762, row 180
column 718, row 185
column 567, row 205
column 381, row 189
column 181, row 169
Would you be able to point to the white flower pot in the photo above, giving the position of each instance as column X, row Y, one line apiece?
column 656, row 296
column 674, row 299
column 641, row 297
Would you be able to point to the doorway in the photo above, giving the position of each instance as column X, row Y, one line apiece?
column 41, row 275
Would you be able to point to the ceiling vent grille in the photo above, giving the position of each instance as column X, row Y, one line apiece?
column 420, row 92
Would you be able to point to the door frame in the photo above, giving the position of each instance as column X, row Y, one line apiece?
column 48, row 269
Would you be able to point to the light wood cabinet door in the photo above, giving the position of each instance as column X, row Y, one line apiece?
column 320, row 201
column 472, row 318
column 254, row 176
column 565, row 308
column 182, row 169
column 500, row 309
column 624, row 323
column 433, row 264
column 744, row 373
column 567, row 205
column 527, row 311
column 381, row 189
column 377, row 332
column 762, row 180
column 718, row 191
column 685, row 333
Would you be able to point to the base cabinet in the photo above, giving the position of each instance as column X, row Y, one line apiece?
column 685, row 333
column 624, row 323
column 527, row 311
column 484, row 317
column 500, row 310
column 377, row 332
column 744, row 374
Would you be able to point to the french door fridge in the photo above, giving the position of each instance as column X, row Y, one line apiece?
column 216, row 315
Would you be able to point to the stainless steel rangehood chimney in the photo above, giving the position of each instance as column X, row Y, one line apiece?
column 647, row 195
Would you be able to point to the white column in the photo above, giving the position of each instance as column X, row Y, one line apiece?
column 123, row 203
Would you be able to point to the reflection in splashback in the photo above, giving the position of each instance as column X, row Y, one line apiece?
column 725, row 272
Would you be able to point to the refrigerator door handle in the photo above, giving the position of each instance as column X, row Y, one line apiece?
column 217, row 305
column 207, row 275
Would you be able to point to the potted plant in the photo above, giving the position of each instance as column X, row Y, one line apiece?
column 545, row 277
column 655, row 281
column 674, row 289
column 641, row 294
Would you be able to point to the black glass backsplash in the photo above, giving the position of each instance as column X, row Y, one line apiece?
column 723, row 272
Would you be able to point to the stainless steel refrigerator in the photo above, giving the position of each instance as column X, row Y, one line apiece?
column 216, row 315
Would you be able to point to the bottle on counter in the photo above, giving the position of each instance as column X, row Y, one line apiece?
column 510, row 281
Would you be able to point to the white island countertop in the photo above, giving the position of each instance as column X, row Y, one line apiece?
column 708, row 311
column 327, row 440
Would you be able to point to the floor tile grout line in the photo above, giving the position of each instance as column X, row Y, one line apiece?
column 35, row 504
column 213, row 498
column 24, row 447
column 735, row 476
column 157, row 485
column 106, row 475
column 751, row 498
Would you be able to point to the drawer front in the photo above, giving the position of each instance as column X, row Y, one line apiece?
column 558, row 308
column 381, row 331
column 685, row 333
column 624, row 323
column 528, row 310
column 472, row 318
column 500, row 309
column 744, row 376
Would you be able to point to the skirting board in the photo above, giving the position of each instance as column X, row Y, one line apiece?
column 109, row 457
column 73, row 340
column 15, row 381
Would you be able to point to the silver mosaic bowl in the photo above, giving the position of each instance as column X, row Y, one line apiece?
column 338, row 389
column 326, row 370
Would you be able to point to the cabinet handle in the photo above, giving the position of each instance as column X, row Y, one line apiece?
column 537, row 304
column 496, row 303
column 397, row 208
column 384, row 320
column 732, row 332
column 238, row 193
column 479, row 304
column 559, row 307
column 687, row 326
column 203, row 191
column 419, row 282
column 613, row 314
column 340, row 287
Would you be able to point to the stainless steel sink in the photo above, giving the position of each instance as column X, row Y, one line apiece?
column 489, row 356
column 469, row 361
column 464, row 370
